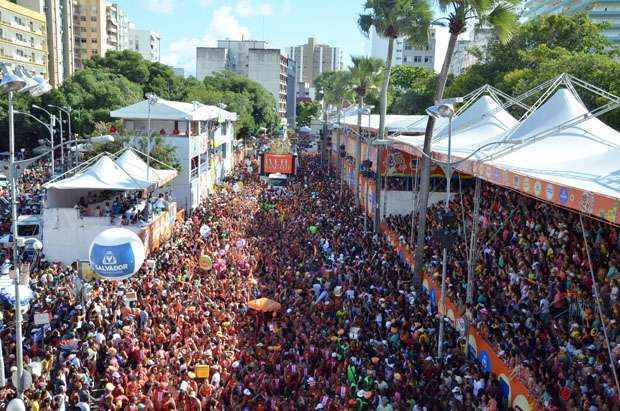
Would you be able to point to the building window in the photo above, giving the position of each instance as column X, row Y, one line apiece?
column 426, row 60
column 93, row 18
column 417, row 59
column 83, row 41
column 19, row 20
column 82, row 18
column 83, row 29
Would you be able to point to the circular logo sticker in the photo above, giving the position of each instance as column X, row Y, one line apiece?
column 537, row 187
column 563, row 195
column 526, row 184
column 549, row 192
column 485, row 361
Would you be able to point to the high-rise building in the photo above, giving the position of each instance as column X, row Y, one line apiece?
column 430, row 56
column 291, row 92
column 23, row 37
column 598, row 10
column 145, row 42
column 89, row 29
column 59, row 30
column 117, row 28
column 179, row 71
column 313, row 59
column 252, row 59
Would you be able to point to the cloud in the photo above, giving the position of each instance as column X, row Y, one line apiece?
column 246, row 8
column 223, row 25
column 160, row 6
column 205, row 3
column 287, row 8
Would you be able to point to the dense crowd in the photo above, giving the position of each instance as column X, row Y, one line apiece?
column 533, row 294
column 351, row 332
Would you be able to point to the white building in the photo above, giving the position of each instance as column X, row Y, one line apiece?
column 313, row 59
column 430, row 56
column 201, row 135
column 252, row 59
column 145, row 42
column 598, row 10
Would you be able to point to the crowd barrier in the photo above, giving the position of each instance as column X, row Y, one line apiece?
column 516, row 393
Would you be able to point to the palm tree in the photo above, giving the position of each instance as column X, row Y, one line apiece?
column 500, row 16
column 366, row 77
column 336, row 90
column 392, row 19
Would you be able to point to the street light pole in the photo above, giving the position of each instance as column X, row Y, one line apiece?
column 51, row 130
column 21, row 81
column 19, row 354
column 68, row 113
column 152, row 100
column 448, row 173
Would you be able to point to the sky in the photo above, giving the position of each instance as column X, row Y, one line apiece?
column 186, row 24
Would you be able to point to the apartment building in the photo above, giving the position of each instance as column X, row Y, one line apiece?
column 252, row 59
column 430, row 56
column 117, row 28
column 145, row 42
column 599, row 11
column 313, row 59
column 23, row 37
column 60, row 43
column 90, row 30
column 269, row 67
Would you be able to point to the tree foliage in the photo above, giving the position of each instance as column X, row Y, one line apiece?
column 122, row 78
column 306, row 111
column 543, row 49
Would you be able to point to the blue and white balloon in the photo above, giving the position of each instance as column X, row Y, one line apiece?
column 116, row 254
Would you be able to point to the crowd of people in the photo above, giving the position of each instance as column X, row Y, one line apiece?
column 533, row 294
column 351, row 333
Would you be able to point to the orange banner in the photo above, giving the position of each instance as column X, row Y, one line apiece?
column 278, row 163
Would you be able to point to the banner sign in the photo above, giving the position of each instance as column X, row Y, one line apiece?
column 278, row 163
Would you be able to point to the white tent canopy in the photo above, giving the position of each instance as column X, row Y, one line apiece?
column 137, row 168
column 104, row 174
column 173, row 110
column 395, row 123
column 482, row 122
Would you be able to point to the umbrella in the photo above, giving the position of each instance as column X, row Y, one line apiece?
column 264, row 305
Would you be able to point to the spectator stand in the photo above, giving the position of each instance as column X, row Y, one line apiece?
column 558, row 152
column 109, row 190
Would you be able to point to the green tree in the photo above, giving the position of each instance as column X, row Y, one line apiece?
column 306, row 111
column 366, row 75
column 392, row 19
column 500, row 16
column 335, row 88
column 412, row 89
column 93, row 93
column 539, row 51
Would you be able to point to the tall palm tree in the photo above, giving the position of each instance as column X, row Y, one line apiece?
column 496, row 14
column 337, row 89
column 392, row 19
column 366, row 77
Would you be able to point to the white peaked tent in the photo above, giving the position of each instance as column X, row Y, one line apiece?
column 584, row 155
column 103, row 174
column 482, row 122
column 137, row 168
column 543, row 142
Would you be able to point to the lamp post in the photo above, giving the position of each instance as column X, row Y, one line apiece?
column 20, row 82
column 67, row 111
column 151, row 100
column 50, row 128
column 378, row 188
column 445, row 110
